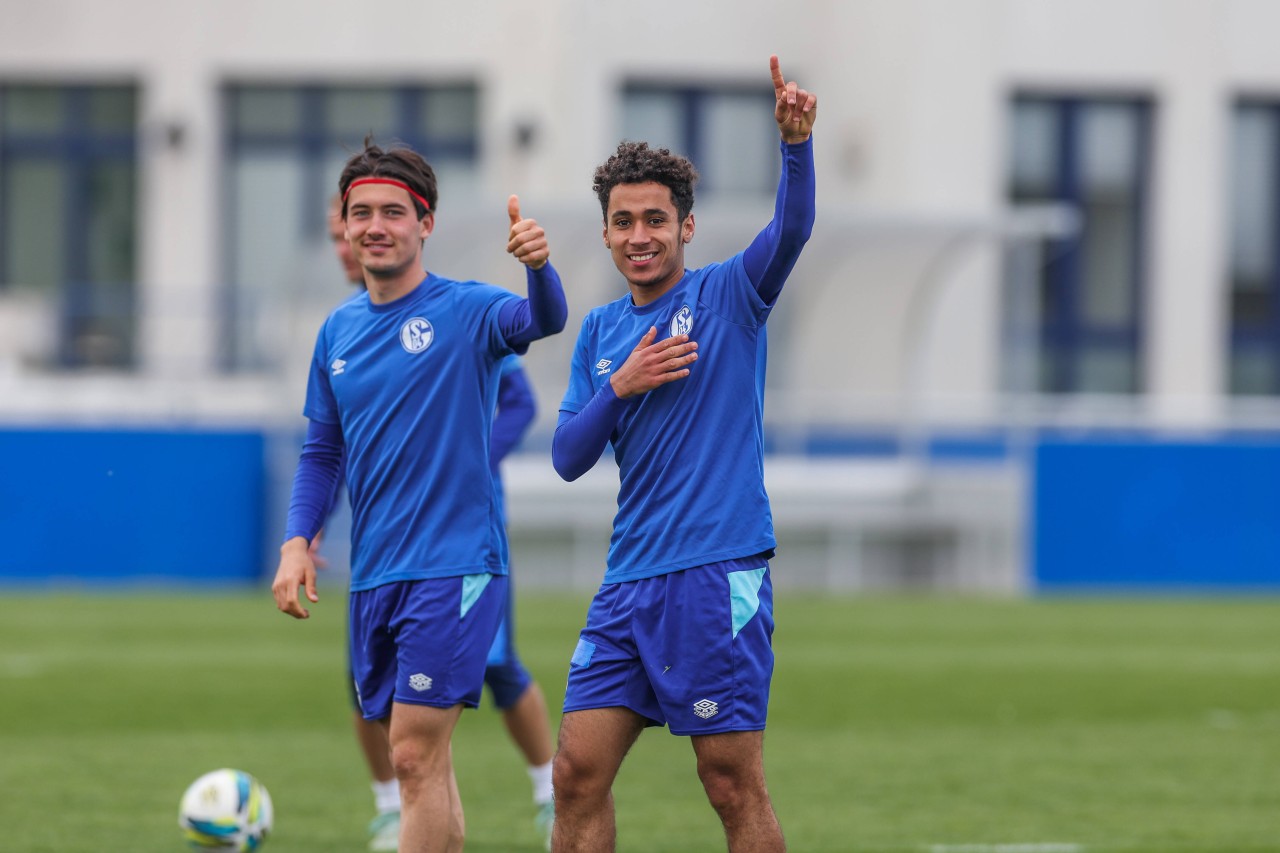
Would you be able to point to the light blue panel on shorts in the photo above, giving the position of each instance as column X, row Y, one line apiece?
column 582, row 654
column 472, row 587
column 744, row 591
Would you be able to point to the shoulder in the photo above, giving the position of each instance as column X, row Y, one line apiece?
column 609, row 310
column 720, row 269
column 347, row 314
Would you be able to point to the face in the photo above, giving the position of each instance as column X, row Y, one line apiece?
column 342, row 248
column 384, row 231
column 646, row 238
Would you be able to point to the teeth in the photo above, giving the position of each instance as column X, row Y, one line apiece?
column 643, row 257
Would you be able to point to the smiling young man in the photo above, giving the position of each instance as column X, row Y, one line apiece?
column 673, row 376
column 404, row 381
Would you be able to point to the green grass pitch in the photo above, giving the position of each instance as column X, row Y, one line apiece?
column 938, row 725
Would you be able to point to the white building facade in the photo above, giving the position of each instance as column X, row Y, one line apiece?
column 164, row 170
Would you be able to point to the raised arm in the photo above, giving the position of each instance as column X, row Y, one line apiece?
column 544, row 312
column 772, row 254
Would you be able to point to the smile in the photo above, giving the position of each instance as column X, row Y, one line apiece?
column 641, row 258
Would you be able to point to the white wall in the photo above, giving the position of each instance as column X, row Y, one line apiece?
column 909, row 146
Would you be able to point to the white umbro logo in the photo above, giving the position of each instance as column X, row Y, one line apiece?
column 339, row 366
column 705, row 708
column 602, row 366
column 419, row 682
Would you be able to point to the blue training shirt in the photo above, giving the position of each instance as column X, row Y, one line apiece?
column 690, row 453
column 413, row 386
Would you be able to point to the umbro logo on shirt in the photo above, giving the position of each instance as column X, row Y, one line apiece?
column 602, row 366
column 339, row 366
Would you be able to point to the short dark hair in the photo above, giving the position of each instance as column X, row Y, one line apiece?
column 397, row 161
column 637, row 163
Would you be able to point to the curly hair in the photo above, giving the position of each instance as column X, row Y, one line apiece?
column 637, row 163
column 396, row 161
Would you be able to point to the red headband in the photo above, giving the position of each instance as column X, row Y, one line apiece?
column 392, row 181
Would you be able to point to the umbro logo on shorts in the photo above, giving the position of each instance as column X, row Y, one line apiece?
column 705, row 708
column 420, row 682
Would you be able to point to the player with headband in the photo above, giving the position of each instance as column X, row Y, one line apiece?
column 404, row 381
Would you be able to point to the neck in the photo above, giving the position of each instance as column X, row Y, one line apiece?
column 643, row 294
column 384, row 289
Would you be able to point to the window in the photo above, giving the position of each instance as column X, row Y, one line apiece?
column 1254, row 297
column 727, row 132
column 1092, row 154
column 68, row 223
column 286, row 146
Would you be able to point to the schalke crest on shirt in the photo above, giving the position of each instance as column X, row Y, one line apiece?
column 682, row 322
column 416, row 335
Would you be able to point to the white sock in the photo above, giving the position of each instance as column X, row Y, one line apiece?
column 540, row 776
column 386, row 796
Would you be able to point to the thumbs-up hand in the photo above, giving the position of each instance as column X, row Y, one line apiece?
column 527, row 241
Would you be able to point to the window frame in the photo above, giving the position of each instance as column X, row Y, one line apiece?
column 1065, row 335
column 78, row 147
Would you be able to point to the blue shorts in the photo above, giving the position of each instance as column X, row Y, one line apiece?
column 503, row 672
column 691, row 649
column 423, row 642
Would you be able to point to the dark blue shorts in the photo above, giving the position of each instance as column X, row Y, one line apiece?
column 691, row 649
column 503, row 672
column 423, row 642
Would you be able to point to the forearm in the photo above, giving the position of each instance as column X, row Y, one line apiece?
column 516, row 412
column 543, row 313
column 581, row 437
column 315, row 481
column 773, row 253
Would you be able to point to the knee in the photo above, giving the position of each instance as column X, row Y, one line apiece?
column 728, row 791
column 413, row 760
column 407, row 759
column 573, row 778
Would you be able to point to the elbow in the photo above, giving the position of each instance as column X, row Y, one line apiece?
column 567, row 466
column 567, row 470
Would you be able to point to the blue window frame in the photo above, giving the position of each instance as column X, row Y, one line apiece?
column 1093, row 154
column 284, row 150
column 727, row 131
column 68, row 218
column 1254, row 273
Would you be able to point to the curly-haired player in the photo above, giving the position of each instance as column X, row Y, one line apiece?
column 680, row 633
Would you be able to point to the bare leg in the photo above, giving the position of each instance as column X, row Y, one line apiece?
column 431, row 812
column 527, row 724
column 376, row 746
column 731, row 767
column 592, row 746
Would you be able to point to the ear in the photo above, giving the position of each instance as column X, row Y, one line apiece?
column 686, row 228
column 605, row 234
column 427, row 224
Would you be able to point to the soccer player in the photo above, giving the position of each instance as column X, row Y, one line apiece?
column 371, row 735
column 404, row 382
column 515, row 693
column 673, row 376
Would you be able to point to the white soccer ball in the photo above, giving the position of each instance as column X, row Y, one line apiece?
column 226, row 810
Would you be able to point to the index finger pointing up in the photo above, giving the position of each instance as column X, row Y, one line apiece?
column 513, row 209
column 775, row 68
